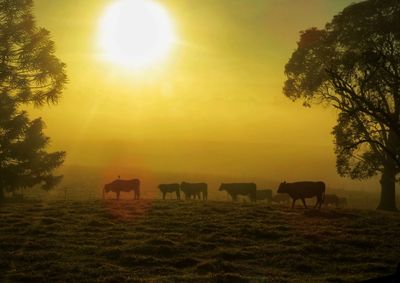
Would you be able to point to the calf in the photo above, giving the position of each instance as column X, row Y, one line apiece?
column 331, row 200
column 264, row 195
column 235, row 189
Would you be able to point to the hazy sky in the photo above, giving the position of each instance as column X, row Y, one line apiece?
column 214, row 107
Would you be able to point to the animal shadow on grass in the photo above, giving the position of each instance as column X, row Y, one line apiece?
column 328, row 214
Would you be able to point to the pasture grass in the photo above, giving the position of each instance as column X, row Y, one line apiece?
column 175, row 241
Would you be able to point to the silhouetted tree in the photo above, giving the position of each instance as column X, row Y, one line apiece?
column 353, row 64
column 30, row 73
column 23, row 160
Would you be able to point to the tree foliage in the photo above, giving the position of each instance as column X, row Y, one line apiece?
column 29, row 70
column 353, row 64
column 23, row 160
column 30, row 74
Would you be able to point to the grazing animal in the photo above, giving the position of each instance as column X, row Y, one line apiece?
column 245, row 189
column 264, row 195
column 303, row 190
column 331, row 200
column 281, row 198
column 170, row 188
column 118, row 186
column 194, row 190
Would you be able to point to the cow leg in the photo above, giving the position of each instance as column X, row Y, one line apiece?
column 294, row 201
column 163, row 195
column 178, row 196
column 319, row 202
column 304, row 202
column 118, row 195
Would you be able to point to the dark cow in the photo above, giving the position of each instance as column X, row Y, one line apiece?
column 264, row 195
column 303, row 190
column 170, row 188
column 281, row 198
column 119, row 186
column 331, row 200
column 194, row 190
column 245, row 189
column 335, row 200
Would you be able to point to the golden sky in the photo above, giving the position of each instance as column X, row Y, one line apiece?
column 214, row 106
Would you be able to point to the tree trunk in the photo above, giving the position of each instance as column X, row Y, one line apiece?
column 388, row 189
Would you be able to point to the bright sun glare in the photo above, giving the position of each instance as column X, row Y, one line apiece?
column 136, row 33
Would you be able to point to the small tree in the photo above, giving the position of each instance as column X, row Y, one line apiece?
column 29, row 74
column 23, row 160
column 354, row 65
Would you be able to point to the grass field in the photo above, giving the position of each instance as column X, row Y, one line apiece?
column 171, row 241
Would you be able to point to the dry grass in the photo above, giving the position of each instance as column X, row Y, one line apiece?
column 173, row 241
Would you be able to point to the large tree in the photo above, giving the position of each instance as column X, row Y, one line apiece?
column 30, row 74
column 353, row 64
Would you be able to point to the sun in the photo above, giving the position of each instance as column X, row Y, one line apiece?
column 136, row 33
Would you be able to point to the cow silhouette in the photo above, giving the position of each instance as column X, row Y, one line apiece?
column 170, row 188
column 118, row 186
column 194, row 190
column 236, row 189
column 264, row 195
column 303, row 190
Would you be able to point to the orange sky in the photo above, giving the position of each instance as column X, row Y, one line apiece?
column 215, row 106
